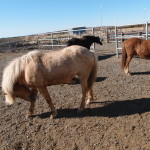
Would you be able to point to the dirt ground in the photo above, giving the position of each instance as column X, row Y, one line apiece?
column 119, row 119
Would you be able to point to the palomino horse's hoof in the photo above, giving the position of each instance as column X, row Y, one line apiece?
column 129, row 74
column 54, row 115
column 28, row 115
column 80, row 110
column 88, row 102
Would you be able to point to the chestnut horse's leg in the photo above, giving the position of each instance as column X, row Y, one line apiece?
column 84, row 91
column 126, row 70
column 47, row 97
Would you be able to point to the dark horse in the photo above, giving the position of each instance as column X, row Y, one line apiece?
column 131, row 47
column 85, row 41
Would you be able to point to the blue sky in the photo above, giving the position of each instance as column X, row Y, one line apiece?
column 25, row 17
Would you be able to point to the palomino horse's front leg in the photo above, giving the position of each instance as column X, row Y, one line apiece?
column 47, row 97
column 84, row 91
column 32, row 99
column 31, row 109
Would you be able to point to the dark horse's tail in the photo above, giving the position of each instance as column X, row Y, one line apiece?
column 124, row 56
column 93, row 73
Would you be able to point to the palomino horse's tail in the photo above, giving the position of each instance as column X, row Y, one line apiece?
column 93, row 73
column 11, row 74
column 124, row 56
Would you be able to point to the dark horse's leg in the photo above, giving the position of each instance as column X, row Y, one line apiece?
column 126, row 70
column 44, row 92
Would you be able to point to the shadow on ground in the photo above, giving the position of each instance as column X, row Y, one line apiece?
column 141, row 73
column 77, row 81
column 110, row 109
column 103, row 57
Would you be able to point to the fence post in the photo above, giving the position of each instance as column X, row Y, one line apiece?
column 146, row 32
column 9, row 44
column 93, row 43
column 38, row 42
column 58, row 40
column 52, row 41
column 116, row 35
column 107, row 36
column 68, row 34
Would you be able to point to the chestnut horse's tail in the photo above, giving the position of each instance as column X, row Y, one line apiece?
column 124, row 56
column 93, row 73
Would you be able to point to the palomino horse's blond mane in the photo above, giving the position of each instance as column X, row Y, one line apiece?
column 13, row 71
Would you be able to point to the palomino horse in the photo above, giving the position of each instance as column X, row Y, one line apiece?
column 131, row 47
column 85, row 41
column 33, row 72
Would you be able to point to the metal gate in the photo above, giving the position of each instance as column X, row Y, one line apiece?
column 119, row 38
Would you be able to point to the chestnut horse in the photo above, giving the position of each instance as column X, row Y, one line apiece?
column 131, row 47
column 85, row 41
column 33, row 72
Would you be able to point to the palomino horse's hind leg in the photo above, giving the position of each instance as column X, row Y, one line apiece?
column 126, row 70
column 47, row 97
column 90, row 97
column 84, row 91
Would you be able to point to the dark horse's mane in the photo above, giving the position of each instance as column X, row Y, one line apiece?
column 85, row 41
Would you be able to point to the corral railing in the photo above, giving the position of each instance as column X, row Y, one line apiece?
column 46, row 40
column 51, row 40
column 59, row 39
column 121, row 36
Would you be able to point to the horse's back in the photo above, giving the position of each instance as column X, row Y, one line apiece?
column 76, row 41
column 73, row 41
column 77, row 54
column 133, row 41
column 59, row 66
column 137, row 46
column 131, row 45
